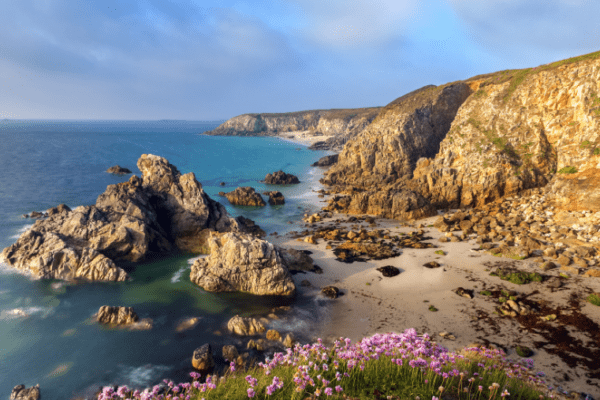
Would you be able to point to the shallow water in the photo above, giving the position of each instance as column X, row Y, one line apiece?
column 46, row 332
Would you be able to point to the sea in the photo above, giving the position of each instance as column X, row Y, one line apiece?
column 47, row 333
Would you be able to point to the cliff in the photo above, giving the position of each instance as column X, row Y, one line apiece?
column 469, row 143
column 339, row 125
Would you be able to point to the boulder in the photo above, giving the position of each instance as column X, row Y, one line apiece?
column 245, row 326
column 240, row 262
column 160, row 212
column 202, row 358
column 298, row 261
column 273, row 335
column 245, row 196
column 230, row 352
column 389, row 271
column 275, row 198
column 289, row 340
column 432, row 264
column 116, row 315
column 19, row 392
column 281, row 178
column 118, row 170
column 331, row 291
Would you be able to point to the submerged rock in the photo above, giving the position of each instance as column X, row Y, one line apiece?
column 240, row 262
column 160, row 212
column 245, row 196
column 275, row 198
column 281, row 178
column 326, row 161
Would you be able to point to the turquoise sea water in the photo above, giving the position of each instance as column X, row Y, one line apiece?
column 55, row 343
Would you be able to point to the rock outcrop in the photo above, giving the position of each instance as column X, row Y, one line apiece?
column 160, row 212
column 202, row 359
column 326, row 161
column 275, row 198
column 245, row 196
column 116, row 315
column 118, row 170
column 19, row 392
column 281, row 178
column 338, row 124
column 240, row 262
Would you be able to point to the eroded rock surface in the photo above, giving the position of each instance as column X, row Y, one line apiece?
column 20, row 392
column 240, row 262
column 245, row 326
column 118, row 170
column 275, row 198
column 116, row 315
column 160, row 212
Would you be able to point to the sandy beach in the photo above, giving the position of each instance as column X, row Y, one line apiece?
column 371, row 303
column 304, row 138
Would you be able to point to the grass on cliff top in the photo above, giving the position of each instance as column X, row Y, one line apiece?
column 390, row 366
column 518, row 76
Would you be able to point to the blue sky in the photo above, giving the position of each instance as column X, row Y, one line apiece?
column 210, row 60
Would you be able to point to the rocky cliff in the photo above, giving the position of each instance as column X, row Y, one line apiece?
column 340, row 124
column 471, row 142
column 160, row 212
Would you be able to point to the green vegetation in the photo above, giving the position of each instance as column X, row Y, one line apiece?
column 517, row 79
column 342, row 113
column 523, row 351
column 501, row 143
column 585, row 144
column 596, row 151
column 594, row 299
column 567, row 170
column 517, row 277
column 432, row 308
column 485, row 293
column 480, row 93
column 440, row 252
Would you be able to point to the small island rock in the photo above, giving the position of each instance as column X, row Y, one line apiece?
column 116, row 315
column 245, row 326
column 19, row 392
column 203, row 359
column 118, row 170
column 281, row 178
column 275, row 198
column 245, row 196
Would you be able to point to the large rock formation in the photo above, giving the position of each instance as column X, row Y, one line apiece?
column 340, row 124
column 116, row 315
column 281, row 178
column 245, row 326
column 19, row 392
column 160, row 212
column 245, row 196
column 468, row 143
column 118, row 170
column 240, row 262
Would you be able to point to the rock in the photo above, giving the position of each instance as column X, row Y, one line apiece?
column 311, row 239
column 245, row 326
column 230, row 353
column 289, row 340
column 547, row 265
column 305, row 283
column 160, row 212
column 389, row 271
column 36, row 214
column 592, row 273
column 298, row 261
column 118, row 170
column 554, row 283
column 464, row 292
column 58, row 209
column 143, row 324
column 245, row 196
column 326, row 161
column 275, row 198
column 281, row 178
column 252, row 344
column 331, row 291
column 432, row 264
column 273, row 335
column 240, row 262
column 19, row 392
column 116, row 315
column 563, row 260
column 571, row 270
column 202, row 358
column 222, row 184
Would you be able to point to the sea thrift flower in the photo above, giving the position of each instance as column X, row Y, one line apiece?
column 338, row 388
column 251, row 393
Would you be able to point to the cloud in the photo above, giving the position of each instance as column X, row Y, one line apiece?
column 513, row 28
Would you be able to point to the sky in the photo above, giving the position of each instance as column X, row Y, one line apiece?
column 213, row 60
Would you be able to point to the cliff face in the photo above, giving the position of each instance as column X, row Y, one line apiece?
column 517, row 131
column 469, row 143
column 341, row 124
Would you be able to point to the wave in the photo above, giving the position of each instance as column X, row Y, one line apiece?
column 177, row 276
column 24, row 312
column 141, row 376
column 21, row 231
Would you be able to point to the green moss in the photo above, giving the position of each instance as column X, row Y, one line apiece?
column 440, row 252
column 585, row 144
column 567, row 170
column 594, row 299
column 502, row 299
column 485, row 293
column 596, row 151
column 517, row 79
column 480, row 93
column 518, row 277
column 432, row 308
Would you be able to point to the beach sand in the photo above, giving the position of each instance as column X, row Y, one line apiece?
column 373, row 304
column 304, row 138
